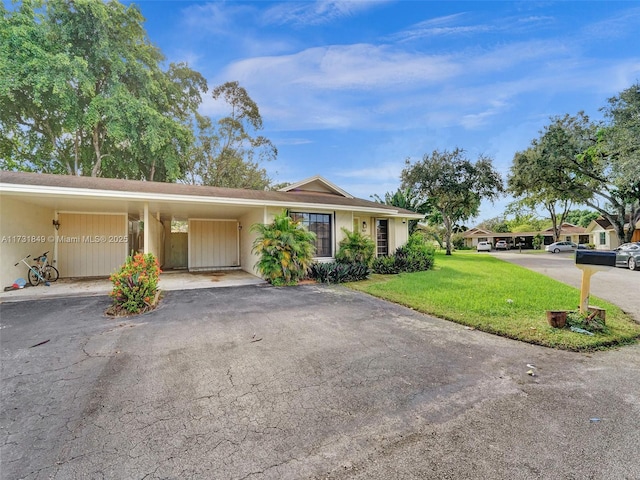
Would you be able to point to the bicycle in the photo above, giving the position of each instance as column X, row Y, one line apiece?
column 42, row 271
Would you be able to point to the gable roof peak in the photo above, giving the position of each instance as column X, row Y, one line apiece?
column 316, row 184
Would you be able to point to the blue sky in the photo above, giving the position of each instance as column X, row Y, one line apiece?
column 350, row 89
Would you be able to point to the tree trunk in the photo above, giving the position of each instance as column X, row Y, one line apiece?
column 447, row 232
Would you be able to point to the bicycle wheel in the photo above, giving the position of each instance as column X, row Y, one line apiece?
column 51, row 273
column 33, row 277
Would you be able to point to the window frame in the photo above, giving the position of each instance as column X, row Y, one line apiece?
column 325, row 240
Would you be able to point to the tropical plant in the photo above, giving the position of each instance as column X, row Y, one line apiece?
column 355, row 248
column 285, row 248
column 538, row 240
column 135, row 285
column 415, row 256
column 409, row 199
column 334, row 272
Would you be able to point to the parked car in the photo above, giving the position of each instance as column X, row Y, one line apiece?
column 557, row 247
column 483, row 247
column 502, row 245
column 628, row 256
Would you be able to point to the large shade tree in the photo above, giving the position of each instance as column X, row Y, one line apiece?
column 83, row 92
column 453, row 185
column 228, row 152
column 594, row 164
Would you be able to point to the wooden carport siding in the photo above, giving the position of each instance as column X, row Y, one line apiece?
column 213, row 244
column 91, row 245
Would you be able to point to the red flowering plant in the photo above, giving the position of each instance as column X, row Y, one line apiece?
column 135, row 285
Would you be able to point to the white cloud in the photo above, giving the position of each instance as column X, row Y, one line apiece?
column 318, row 12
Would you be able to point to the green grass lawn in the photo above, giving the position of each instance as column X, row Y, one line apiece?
column 498, row 297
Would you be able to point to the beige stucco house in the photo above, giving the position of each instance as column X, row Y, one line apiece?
column 90, row 225
column 604, row 234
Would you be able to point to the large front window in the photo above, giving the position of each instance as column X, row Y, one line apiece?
column 320, row 224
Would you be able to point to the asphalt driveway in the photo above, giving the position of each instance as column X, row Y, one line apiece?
column 619, row 286
column 307, row 382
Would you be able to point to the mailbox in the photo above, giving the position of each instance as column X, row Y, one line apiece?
column 595, row 257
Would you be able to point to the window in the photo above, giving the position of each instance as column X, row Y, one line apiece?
column 603, row 238
column 320, row 224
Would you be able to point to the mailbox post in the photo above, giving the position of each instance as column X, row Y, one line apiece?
column 590, row 262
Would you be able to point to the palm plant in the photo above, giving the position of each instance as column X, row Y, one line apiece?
column 409, row 199
column 355, row 248
column 286, row 250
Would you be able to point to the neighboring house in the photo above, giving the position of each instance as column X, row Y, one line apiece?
column 569, row 232
column 90, row 225
column 605, row 236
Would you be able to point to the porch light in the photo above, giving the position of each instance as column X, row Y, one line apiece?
column 364, row 226
column 56, row 224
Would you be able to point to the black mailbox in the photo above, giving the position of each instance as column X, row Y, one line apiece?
column 594, row 257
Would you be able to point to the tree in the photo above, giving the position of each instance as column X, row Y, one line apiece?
column 581, row 218
column 495, row 224
column 226, row 154
column 597, row 165
column 408, row 199
column 531, row 178
column 452, row 185
column 82, row 92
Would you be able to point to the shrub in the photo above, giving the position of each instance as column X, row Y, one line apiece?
column 415, row 256
column 355, row 248
column 385, row 265
column 135, row 285
column 286, row 250
column 335, row 272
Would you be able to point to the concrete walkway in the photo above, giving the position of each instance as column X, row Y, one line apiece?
column 170, row 280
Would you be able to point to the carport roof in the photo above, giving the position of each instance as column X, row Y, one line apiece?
column 105, row 187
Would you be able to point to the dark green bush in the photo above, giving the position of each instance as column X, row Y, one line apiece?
column 334, row 272
column 385, row 265
column 415, row 256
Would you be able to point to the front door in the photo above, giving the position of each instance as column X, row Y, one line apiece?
column 382, row 237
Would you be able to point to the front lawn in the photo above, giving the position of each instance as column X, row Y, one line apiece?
column 498, row 297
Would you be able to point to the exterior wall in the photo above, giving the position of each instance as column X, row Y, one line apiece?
column 398, row 233
column 247, row 237
column 91, row 245
column 213, row 244
column 342, row 220
column 24, row 230
column 610, row 237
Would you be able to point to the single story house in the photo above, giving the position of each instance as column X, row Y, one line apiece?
column 604, row 234
column 569, row 232
column 89, row 225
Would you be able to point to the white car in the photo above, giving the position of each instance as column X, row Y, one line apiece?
column 558, row 247
column 502, row 245
column 483, row 247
